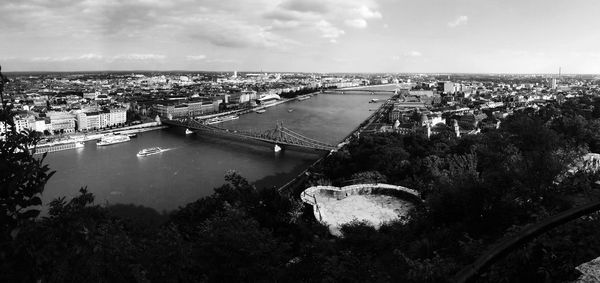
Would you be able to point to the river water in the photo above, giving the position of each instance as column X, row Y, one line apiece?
column 195, row 164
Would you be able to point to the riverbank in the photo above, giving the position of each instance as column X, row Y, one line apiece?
column 367, row 87
column 249, row 110
column 84, row 137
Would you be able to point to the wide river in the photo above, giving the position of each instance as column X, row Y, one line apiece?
column 194, row 165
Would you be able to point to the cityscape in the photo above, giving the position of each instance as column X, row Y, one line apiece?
column 299, row 141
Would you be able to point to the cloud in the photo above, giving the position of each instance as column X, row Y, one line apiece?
column 357, row 23
column 368, row 13
column 195, row 57
column 316, row 6
column 89, row 56
column 139, row 57
column 462, row 20
column 326, row 17
column 145, row 30
column 329, row 31
column 94, row 56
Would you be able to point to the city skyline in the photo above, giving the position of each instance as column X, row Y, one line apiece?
column 301, row 36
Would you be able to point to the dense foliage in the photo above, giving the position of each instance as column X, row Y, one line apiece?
column 477, row 190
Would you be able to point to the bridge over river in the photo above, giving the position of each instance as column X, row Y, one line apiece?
column 279, row 136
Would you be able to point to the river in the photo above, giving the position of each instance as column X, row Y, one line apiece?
column 195, row 164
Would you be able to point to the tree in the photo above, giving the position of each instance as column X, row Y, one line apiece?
column 22, row 180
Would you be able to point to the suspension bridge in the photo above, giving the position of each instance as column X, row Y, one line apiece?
column 279, row 136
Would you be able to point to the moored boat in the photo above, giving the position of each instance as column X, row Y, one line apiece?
column 260, row 111
column 113, row 139
column 222, row 119
column 58, row 147
column 303, row 97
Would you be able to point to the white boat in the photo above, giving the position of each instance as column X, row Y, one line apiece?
column 277, row 148
column 260, row 111
column 113, row 139
column 56, row 147
column 303, row 97
column 230, row 117
column 188, row 131
column 268, row 99
column 222, row 119
column 149, row 151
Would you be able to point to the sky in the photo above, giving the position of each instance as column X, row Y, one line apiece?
column 430, row 36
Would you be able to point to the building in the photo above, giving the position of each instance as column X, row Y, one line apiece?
column 447, row 87
column 61, row 122
column 190, row 108
column 100, row 119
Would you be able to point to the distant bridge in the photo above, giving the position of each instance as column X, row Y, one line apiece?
column 280, row 136
column 372, row 91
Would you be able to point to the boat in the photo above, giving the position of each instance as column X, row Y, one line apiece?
column 303, row 97
column 277, row 148
column 149, row 151
column 58, row 147
column 290, row 110
column 374, row 100
column 260, row 111
column 188, row 131
column 229, row 118
column 268, row 99
column 132, row 136
column 113, row 139
column 222, row 119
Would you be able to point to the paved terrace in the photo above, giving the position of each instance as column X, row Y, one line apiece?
column 375, row 204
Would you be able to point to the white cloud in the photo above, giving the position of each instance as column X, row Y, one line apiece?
column 94, row 56
column 139, row 57
column 89, row 56
column 357, row 23
column 196, row 57
column 329, row 31
column 462, row 20
column 367, row 12
column 413, row 54
column 326, row 16
column 407, row 54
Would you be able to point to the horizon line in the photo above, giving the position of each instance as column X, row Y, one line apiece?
column 307, row 72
